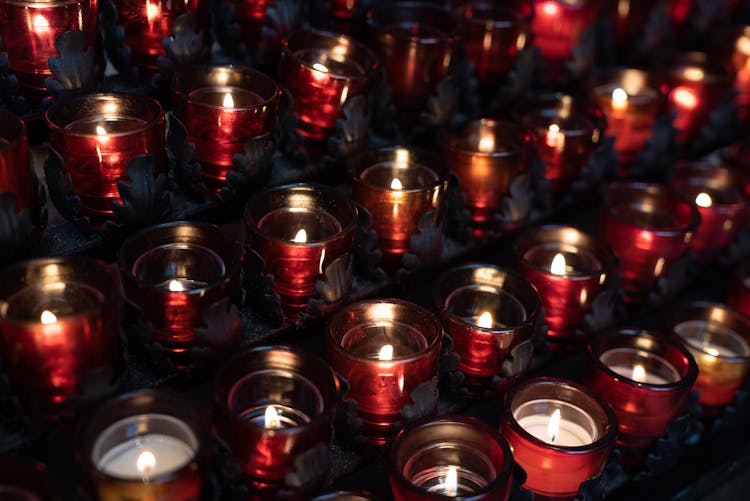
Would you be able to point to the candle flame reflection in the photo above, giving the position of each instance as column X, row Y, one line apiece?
column 553, row 428
column 145, row 462
column 451, row 481
column 685, row 98
column 619, row 99
column 703, row 200
column 228, row 100
column 554, row 139
column 559, row 266
column 320, row 67
column 271, row 418
column 485, row 320
column 712, row 351
column 639, row 373
column 487, row 143
column 152, row 11
column 386, row 352
column 300, row 237
column 40, row 23
column 396, row 184
column 48, row 317
column 176, row 286
column 101, row 131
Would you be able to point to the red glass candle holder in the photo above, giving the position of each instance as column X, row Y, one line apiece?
column 645, row 378
column 222, row 107
column 29, row 29
column 717, row 337
column 649, row 227
column 569, row 268
column 450, row 457
column 739, row 65
column 416, row 43
column 59, row 322
column 399, row 187
column 696, row 88
column 149, row 444
column 558, row 26
column 489, row 313
column 718, row 194
column 387, row 349
column 299, row 230
column 146, row 23
column 323, row 71
column 567, row 131
column 184, row 277
column 560, row 433
column 493, row 35
column 16, row 175
column 631, row 103
column 486, row 157
column 22, row 480
column 273, row 403
column 97, row 136
column 739, row 289
column 251, row 17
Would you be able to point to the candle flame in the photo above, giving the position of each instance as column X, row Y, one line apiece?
column 272, row 420
column 553, row 428
column 694, row 74
column 685, row 98
column 619, row 99
column 703, row 200
column 451, row 482
column 40, row 22
column 228, row 100
column 152, row 11
column 396, row 184
column 48, row 317
column 712, row 351
column 487, row 143
column 101, row 131
column 300, row 237
column 551, row 8
column 639, row 373
column 386, row 352
column 145, row 462
column 553, row 135
column 176, row 286
column 485, row 320
column 320, row 67
column 559, row 266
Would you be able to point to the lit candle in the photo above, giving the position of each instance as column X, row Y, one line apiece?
column 640, row 366
column 704, row 200
column 713, row 338
column 619, row 99
column 275, row 416
column 572, row 430
column 554, row 139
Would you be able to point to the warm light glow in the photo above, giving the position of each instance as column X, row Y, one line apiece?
column 694, row 74
column 553, row 428
column 176, row 286
column 553, row 138
column 559, row 266
column 685, row 98
column 639, row 373
column 40, row 22
column 272, row 420
column 152, row 11
column 551, row 8
column 101, row 131
column 619, row 99
column 300, row 237
column 712, row 351
column 145, row 462
column 703, row 200
column 320, row 67
column 487, row 143
column 396, row 184
column 48, row 317
column 386, row 352
column 743, row 45
column 659, row 266
column 451, row 482
column 485, row 320
column 228, row 100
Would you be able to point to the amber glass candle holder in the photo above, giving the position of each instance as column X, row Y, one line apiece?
column 717, row 337
column 696, row 88
column 450, row 457
column 222, row 107
column 323, row 71
column 416, row 43
column 557, row 26
column 273, row 403
column 299, row 230
column 29, row 29
column 399, row 187
column 646, row 379
column 649, row 227
column 150, row 444
column 739, row 289
column 493, row 35
column 487, row 156
column 560, row 433
column 59, row 321
column 718, row 194
column 566, row 133
column 184, row 277
column 387, row 350
column 489, row 313
column 631, row 103
column 16, row 175
column 97, row 136
column 569, row 268
column 22, row 480
column 147, row 23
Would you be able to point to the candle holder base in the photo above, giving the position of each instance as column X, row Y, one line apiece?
column 147, row 364
column 425, row 248
column 515, row 208
column 352, row 130
column 600, row 169
column 442, row 110
column 285, row 17
column 454, row 395
column 184, row 47
column 75, row 72
column 658, row 154
column 612, row 476
column 680, row 274
column 424, row 402
column 335, row 286
column 184, row 170
column 289, row 142
column 250, row 170
column 347, row 426
column 517, row 492
column 367, row 256
column 457, row 216
column 516, row 365
column 17, row 233
column 258, row 287
column 9, row 98
column 605, row 310
column 731, row 417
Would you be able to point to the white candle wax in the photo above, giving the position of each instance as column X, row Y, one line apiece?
column 626, row 370
column 570, row 434
column 713, row 338
column 123, row 460
column 640, row 366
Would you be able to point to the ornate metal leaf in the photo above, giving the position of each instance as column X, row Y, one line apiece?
column 367, row 256
column 517, row 492
column 451, row 379
column 228, row 473
column 347, row 423
column 310, row 468
column 682, row 432
column 184, row 171
column 516, row 207
column 113, row 35
column 16, row 229
column 425, row 247
column 249, row 171
column 723, row 126
column 145, row 199
column 95, row 386
column 352, row 130
column 520, row 359
column 660, row 150
column 603, row 309
column 220, row 330
column 282, row 19
column 582, row 54
column 227, row 32
column 424, row 401
column 457, row 216
column 520, row 79
column 382, row 110
column 288, row 140
column 679, row 275
column 612, row 476
column 258, row 287
column 75, row 71
column 60, row 187
column 442, row 106
column 9, row 98
column 600, row 168
column 338, row 279
column 183, row 48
